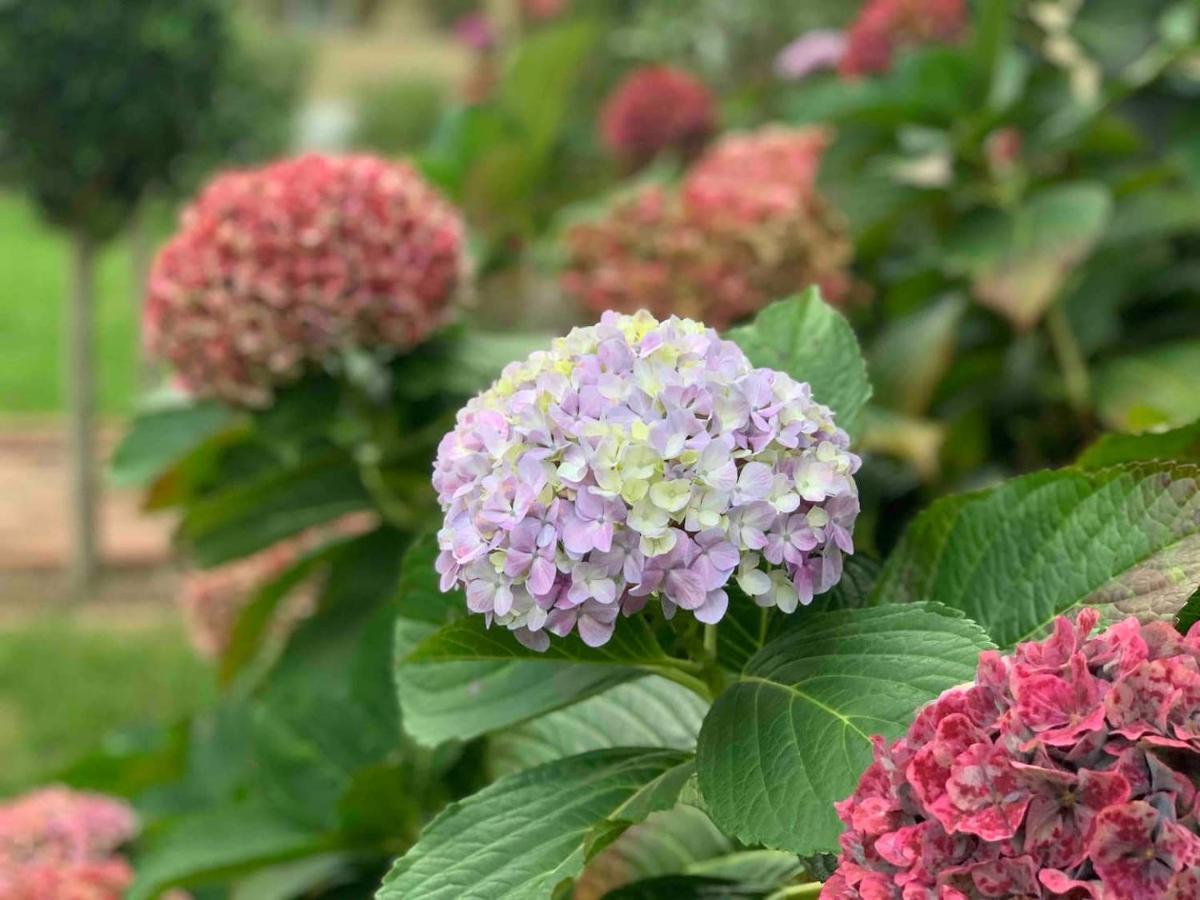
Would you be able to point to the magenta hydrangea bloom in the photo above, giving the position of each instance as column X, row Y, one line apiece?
column 641, row 460
column 1068, row 769
column 278, row 270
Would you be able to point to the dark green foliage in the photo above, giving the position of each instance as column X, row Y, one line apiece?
column 99, row 100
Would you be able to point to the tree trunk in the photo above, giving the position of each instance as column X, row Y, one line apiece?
column 139, row 259
column 80, row 390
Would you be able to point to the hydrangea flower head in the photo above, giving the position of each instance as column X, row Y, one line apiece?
column 1066, row 770
column 813, row 51
column 278, row 269
column 56, row 843
column 884, row 26
column 655, row 109
column 641, row 460
column 745, row 227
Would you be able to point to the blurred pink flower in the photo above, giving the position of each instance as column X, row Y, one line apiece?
column 474, row 31
column 277, row 270
column 884, row 26
column 656, row 109
column 746, row 227
column 812, row 52
column 57, row 844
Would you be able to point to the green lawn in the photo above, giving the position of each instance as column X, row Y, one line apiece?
column 63, row 686
column 33, row 271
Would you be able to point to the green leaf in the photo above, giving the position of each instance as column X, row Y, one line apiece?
column 536, row 87
column 158, row 438
column 290, row 880
column 792, row 733
column 1152, row 389
column 1189, row 615
column 219, row 844
column 812, row 342
column 463, row 681
column 246, row 518
column 649, row 712
column 667, row 843
column 747, row 627
column 1015, row 557
column 253, row 622
column 469, row 639
column 1179, row 444
column 911, row 355
column 528, row 833
column 1019, row 261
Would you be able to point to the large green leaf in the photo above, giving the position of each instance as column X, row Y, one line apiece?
column 1015, row 557
column 911, row 355
column 159, row 437
column 665, row 844
column 220, row 844
column 648, row 712
column 526, row 834
column 245, row 518
column 461, row 681
column 1154, row 388
column 812, row 342
column 1180, row 444
column 792, row 734
column 1019, row 261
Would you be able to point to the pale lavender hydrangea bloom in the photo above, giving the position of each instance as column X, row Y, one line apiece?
column 640, row 460
column 821, row 48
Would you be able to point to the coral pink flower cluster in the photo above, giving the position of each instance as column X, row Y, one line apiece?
column 884, row 26
column 745, row 227
column 656, row 109
column 1066, row 770
column 280, row 269
column 56, row 844
column 213, row 599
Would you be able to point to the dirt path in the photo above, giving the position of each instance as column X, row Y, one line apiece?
column 33, row 530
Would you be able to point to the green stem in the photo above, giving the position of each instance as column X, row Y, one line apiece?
column 395, row 510
column 710, row 642
column 812, row 889
column 1070, row 358
column 677, row 671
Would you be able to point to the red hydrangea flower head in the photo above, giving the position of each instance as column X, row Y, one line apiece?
column 278, row 269
column 883, row 26
column 57, row 844
column 746, row 227
column 1068, row 769
column 757, row 176
column 655, row 109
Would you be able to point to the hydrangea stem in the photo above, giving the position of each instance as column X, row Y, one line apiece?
column 812, row 889
column 676, row 670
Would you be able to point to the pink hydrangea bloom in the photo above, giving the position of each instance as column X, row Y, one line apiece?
column 814, row 51
column 745, row 227
column 641, row 460
column 1068, row 769
column 57, row 844
column 883, row 26
column 279, row 269
column 655, row 109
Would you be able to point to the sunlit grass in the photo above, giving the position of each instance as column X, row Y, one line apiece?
column 64, row 685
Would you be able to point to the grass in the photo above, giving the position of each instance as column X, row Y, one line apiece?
column 64, row 685
column 34, row 266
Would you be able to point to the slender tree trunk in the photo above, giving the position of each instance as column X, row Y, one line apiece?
column 139, row 260
column 80, row 389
